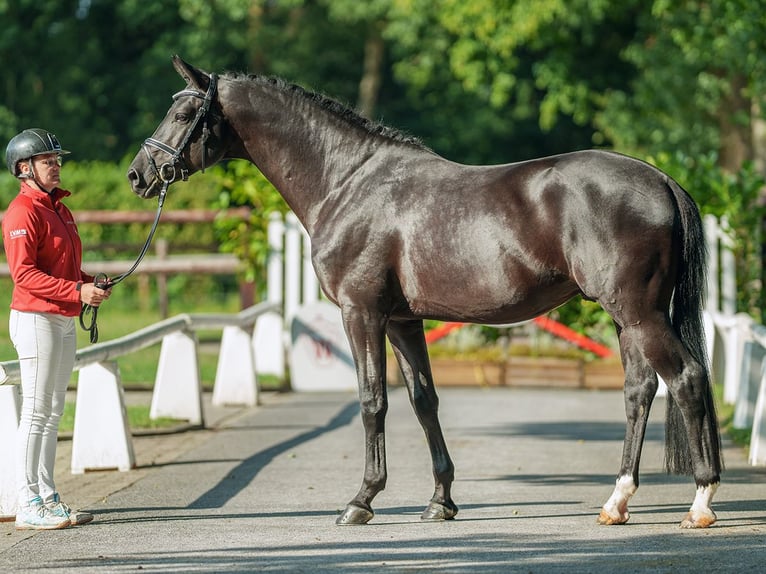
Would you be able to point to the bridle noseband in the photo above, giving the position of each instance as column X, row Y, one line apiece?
column 166, row 172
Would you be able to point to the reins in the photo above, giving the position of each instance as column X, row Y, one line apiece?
column 89, row 313
column 166, row 173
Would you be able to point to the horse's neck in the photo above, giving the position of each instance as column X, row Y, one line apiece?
column 305, row 151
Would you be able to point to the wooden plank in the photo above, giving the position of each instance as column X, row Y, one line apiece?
column 221, row 263
column 544, row 372
column 109, row 216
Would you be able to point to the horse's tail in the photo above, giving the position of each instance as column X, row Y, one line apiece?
column 688, row 300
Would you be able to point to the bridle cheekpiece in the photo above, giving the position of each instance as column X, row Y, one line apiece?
column 166, row 172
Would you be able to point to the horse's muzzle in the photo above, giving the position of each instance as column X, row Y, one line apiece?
column 139, row 186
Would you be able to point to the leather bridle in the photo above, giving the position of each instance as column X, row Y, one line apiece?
column 166, row 173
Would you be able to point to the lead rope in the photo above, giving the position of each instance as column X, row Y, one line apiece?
column 89, row 313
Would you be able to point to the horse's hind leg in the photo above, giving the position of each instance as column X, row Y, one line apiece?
column 408, row 341
column 691, row 437
column 640, row 389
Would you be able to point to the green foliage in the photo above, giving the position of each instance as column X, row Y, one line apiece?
column 693, row 59
column 241, row 183
column 735, row 198
column 512, row 53
column 588, row 318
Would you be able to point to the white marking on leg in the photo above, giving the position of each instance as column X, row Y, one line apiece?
column 700, row 514
column 615, row 511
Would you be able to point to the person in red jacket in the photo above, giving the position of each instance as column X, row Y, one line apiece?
column 44, row 255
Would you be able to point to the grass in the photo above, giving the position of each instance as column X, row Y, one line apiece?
column 138, row 418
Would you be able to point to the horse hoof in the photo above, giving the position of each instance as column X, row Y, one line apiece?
column 607, row 519
column 698, row 520
column 354, row 515
column 438, row 511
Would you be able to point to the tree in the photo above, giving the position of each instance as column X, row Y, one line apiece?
column 98, row 73
column 701, row 74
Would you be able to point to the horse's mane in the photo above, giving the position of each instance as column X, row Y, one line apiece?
column 333, row 106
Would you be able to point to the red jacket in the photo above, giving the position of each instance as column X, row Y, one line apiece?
column 44, row 253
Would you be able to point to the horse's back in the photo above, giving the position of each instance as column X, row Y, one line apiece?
column 503, row 243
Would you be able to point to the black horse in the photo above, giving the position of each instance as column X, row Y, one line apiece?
column 400, row 234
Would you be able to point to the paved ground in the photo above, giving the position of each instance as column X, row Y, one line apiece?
column 260, row 493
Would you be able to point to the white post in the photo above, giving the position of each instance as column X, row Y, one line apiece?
column 711, row 238
column 292, row 267
column 708, row 326
column 268, row 333
column 235, row 379
column 275, row 263
column 10, row 409
column 735, row 331
column 728, row 273
column 310, row 282
column 758, row 437
column 749, row 383
column 177, row 387
column 101, row 437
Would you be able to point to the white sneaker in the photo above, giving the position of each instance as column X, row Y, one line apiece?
column 75, row 517
column 37, row 516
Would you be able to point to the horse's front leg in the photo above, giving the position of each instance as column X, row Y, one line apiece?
column 365, row 331
column 640, row 389
column 409, row 344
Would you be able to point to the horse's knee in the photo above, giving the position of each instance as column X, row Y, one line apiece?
column 373, row 411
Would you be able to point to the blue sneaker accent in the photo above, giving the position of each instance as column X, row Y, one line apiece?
column 75, row 517
column 36, row 516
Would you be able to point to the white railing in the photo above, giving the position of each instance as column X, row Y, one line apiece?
column 736, row 343
column 101, row 436
column 253, row 343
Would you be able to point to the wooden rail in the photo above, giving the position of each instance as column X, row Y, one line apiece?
column 222, row 263
column 106, row 216
column 187, row 263
column 162, row 264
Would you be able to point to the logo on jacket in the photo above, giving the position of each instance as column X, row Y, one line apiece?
column 16, row 233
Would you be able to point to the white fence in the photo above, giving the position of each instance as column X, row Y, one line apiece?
column 101, row 437
column 736, row 343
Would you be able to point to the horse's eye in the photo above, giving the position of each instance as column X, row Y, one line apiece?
column 182, row 118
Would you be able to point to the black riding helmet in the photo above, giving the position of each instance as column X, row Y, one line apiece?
column 28, row 144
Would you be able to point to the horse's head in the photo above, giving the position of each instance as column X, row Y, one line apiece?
column 187, row 140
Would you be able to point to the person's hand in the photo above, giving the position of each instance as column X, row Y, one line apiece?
column 94, row 296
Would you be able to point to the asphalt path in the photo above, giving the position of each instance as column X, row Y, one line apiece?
column 260, row 490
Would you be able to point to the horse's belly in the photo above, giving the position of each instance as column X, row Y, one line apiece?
column 486, row 301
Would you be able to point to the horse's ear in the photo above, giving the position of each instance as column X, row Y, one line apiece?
column 192, row 76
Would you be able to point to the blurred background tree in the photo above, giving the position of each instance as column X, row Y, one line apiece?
column 679, row 83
